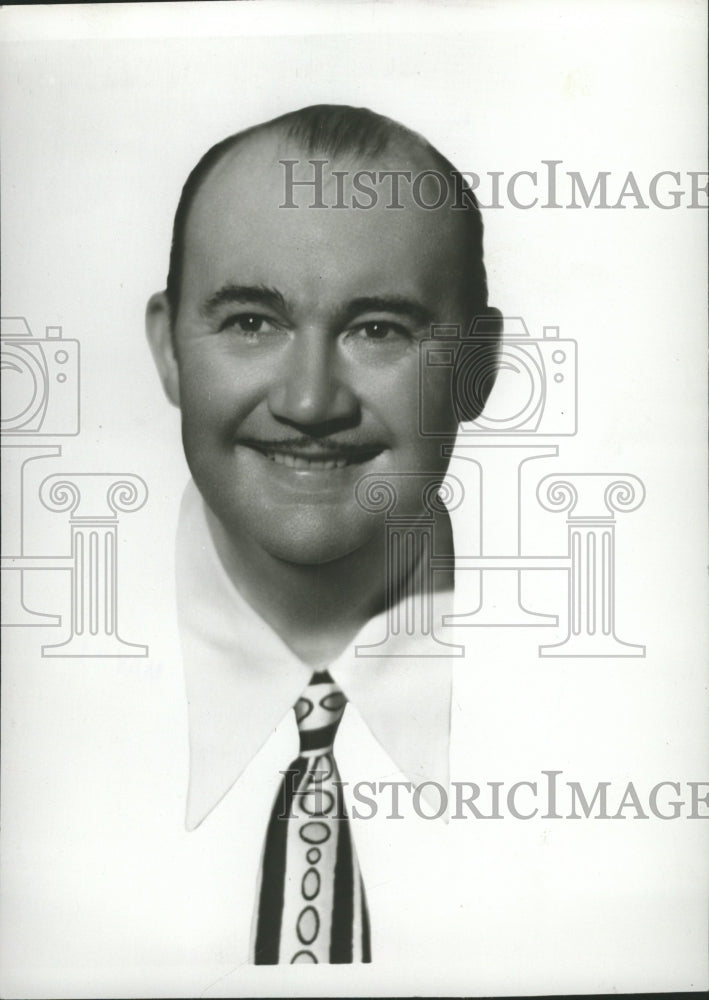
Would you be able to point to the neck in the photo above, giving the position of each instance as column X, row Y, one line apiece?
column 318, row 609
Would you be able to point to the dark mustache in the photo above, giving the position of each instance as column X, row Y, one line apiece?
column 303, row 443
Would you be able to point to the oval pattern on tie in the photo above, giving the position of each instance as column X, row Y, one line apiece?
column 303, row 956
column 323, row 767
column 334, row 701
column 311, row 884
column 315, row 832
column 318, row 802
column 321, row 770
column 313, row 855
column 308, row 925
column 303, row 708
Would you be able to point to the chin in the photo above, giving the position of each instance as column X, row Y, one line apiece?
column 308, row 541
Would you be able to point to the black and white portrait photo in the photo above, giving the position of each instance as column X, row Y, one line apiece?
column 354, row 499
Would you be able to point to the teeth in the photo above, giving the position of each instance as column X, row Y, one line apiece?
column 298, row 462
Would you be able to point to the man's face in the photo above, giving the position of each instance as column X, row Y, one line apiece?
column 297, row 341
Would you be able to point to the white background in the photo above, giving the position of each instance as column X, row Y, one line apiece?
column 105, row 109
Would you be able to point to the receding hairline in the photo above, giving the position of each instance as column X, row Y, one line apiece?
column 404, row 150
column 339, row 132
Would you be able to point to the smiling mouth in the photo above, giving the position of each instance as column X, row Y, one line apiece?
column 318, row 458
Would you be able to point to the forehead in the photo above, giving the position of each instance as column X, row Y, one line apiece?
column 239, row 230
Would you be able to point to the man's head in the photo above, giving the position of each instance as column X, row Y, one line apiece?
column 290, row 337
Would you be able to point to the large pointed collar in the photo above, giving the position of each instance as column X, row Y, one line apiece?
column 241, row 678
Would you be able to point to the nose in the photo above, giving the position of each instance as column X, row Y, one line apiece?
column 310, row 392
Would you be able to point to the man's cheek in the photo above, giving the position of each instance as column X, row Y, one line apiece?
column 207, row 391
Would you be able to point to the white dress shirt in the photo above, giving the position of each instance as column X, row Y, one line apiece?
column 242, row 679
column 105, row 893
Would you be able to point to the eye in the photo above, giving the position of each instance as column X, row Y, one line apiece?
column 250, row 325
column 378, row 331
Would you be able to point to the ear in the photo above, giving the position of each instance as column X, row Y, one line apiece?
column 158, row 328
column 494, row 326
column 476, row 365
column 489, row 326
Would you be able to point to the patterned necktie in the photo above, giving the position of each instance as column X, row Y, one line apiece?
column 311, row 901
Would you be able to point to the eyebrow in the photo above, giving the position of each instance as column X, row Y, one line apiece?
column 231, row 293
column 398, row 304
column 262, row 295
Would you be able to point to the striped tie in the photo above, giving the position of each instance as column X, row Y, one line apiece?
column 311, row 901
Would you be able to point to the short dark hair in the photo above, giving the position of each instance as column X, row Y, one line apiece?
column 334, row 129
